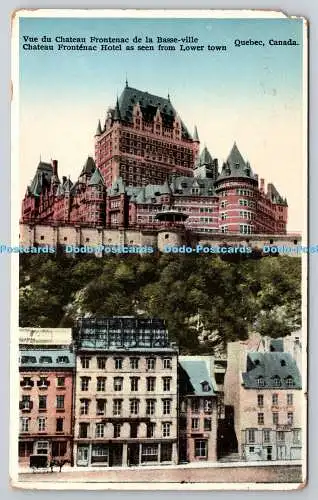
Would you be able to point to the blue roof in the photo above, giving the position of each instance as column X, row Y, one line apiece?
column 47, row 358
column 269, row 366
column 197, row 372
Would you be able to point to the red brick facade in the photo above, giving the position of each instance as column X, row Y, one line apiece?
column 146, row 161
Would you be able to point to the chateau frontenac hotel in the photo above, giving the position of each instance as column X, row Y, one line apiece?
column 149, row 172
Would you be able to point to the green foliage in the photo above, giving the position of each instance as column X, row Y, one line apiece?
column 229, row 299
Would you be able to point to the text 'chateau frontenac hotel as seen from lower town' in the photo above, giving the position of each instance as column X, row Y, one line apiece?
column 148, row 173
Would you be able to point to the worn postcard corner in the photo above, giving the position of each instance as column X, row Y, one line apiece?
column 159, row 246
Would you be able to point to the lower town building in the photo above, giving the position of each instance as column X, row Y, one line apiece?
column 198, row 417
column 265, row 391
column 46, row 402
column 126, row 393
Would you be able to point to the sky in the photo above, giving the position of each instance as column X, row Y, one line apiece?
column 250, row 94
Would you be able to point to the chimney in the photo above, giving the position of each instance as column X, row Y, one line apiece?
column 262, row 186
column 64, row 179
column 54, row 165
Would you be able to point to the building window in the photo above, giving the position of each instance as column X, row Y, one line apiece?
column 42, row 448
column 275, row 418
column 24, row 424
column 166, row 429
column 266, row 436
column 149, row 453
column 99, row 430
column 151, row 384
column 205, row 386
column 260, row 418
column 100, row 406
column 260, row 382
column 60, row 402
column 83, row 430
column 60, row 382
column 290, row 399
column 260, row 400
column 275, row 399
column 251, row 435
column 195, row 405
column 117, row 428
column 85, row 362
column 59, row 424
column 118, row 363
column 151, row 363
column 166, row 452
column 151, row 429
column 276, row 381
column 41, row 424
column 289, row 381
column 134, row 384
column 134, row 430
column 84, row 407
column 166, row 383
column 101, row 363
column 280, row 436
column 118, row 384
column 166, row 406
column 26, row 403
column 25, row 449
column 43, row 383
column 207, row 424
column 134, row 363
column 101, row 384
column 195, row 424
column 117, row 407
column 207, row 404
column 84, row 383
column 290, row 418
column 167, row 363
column 150, row 406
column 27, row 382
column 296, row 436
column 201, row 448
column 134, row 406
column 42, row 402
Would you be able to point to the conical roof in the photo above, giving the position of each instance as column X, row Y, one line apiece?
column 195, row 134
column 99, row 128
column 96, row 179
column 89, row 166
column 205, row 157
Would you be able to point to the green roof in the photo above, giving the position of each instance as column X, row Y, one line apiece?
column 268, row 366
column 197, row 374
column 96, row 179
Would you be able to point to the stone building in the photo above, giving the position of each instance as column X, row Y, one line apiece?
column 46, row 402
column 265, row 390
column 147, row 161
column 125, row 394
column 198, row 404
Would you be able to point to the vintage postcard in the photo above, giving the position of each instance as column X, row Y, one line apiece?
column 159, row 246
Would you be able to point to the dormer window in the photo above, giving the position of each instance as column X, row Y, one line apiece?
column 62, row 359
column 282, row 362
column 260, row 382
column 28, row 359
column 205, row 386
column 257, row 362
column 237, row 165
column 276, row 381
column 45, row 359
column 289, row 381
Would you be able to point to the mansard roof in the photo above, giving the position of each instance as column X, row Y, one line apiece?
column 96, row 179
column 274, row 195
column 183, row 186
column 46, row 358
column 149, row 104
column 42, row 178
column 118, row 187
column 198, row 377
column 268, row 367
column 235, row 166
